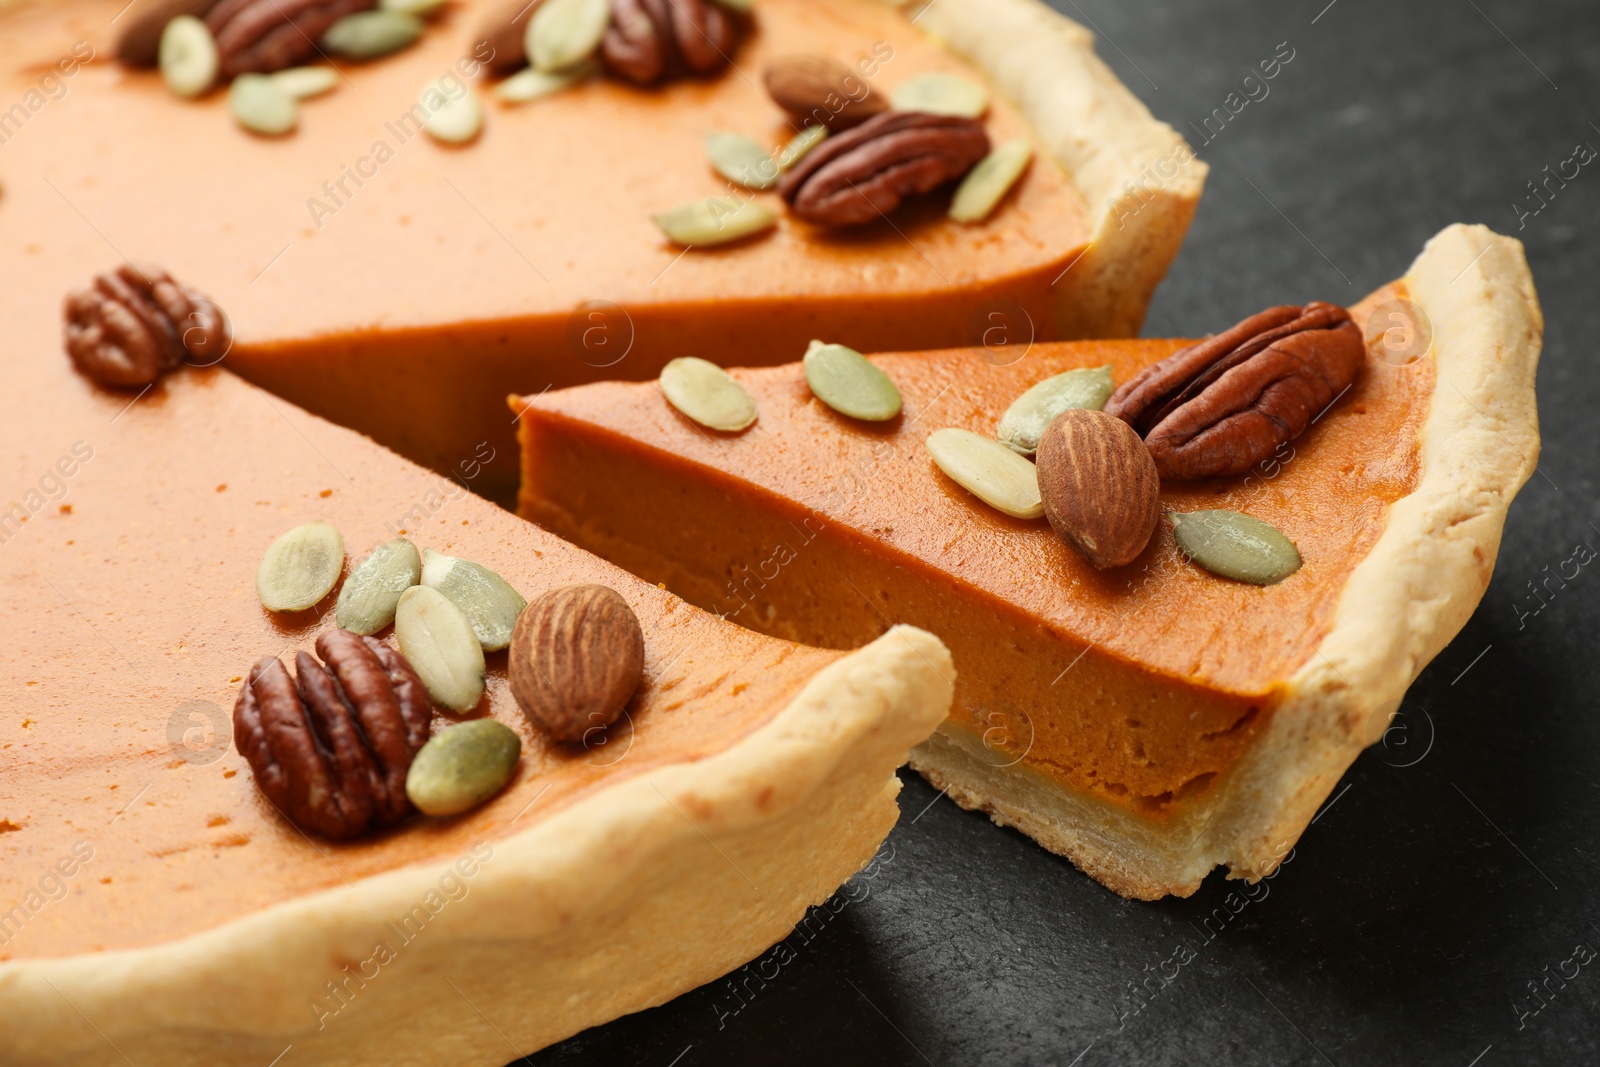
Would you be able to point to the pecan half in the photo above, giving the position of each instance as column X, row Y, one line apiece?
column 652, row 41
column 267, row 35
column 856, row 176
column 1223, row 405
column 331, row 748
column 136, row 323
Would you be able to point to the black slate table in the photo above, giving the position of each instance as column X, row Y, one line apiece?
column 1457, row 862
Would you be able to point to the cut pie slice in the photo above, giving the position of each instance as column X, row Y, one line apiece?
column 147, row 888
column 373, row 275
column 1151, row 721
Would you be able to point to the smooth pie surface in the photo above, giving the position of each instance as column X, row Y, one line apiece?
column 373, row 274
column 1140, row 684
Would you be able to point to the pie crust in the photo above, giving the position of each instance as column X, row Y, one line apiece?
column 1401, row 605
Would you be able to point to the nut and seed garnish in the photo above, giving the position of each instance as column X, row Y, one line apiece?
column 420, row 8
column 530, row 84
column 1223, row 405
column 849, row 383
column 262, row 36
column 136, row 323
column 987, row 184
column 715, row 220
column 988, row 470
column 302, row 83
column 864, row 173
column 261, row 106
column 372, row 591
column 140, row 42
column 741, row 160
column 438, row 640
column 1100, row 488
column 370, row 34
column 332, row 748
column 650, row 41
column 707, row 394
column 562, row 33
column 799, row 145
column 821, row 91
column 576, row 658
column 938, row 93
column 1025, row 420
column 187, row 56
column 455, row 115
column 1236, row 546
column 463, row 766
column 300, row 567
column 485, row 598
column 502, row 35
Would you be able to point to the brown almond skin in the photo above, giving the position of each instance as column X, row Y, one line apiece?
column 820, row 91
column 140, row 43
column 1099, row 485
column 577, row 655
column 504, row 31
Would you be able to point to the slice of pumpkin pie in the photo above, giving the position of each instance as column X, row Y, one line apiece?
column 1237, row 601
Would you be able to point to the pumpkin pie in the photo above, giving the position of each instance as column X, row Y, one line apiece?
column 373, row 275
column 1150, row 721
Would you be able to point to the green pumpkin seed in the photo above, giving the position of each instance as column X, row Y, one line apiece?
column 705, row 393
column 420, row 8
column 187, row 56
column 715, row 220
column 1024, row 421
column 300, row 568
column 453, row 119
column 485, row 598
column 370, row 34
column 530, row 84
column 1236, row 546
column 987, row 184
column 260, row 106
column 302, row 83
column 847, row 382
column 941, row 94
column 564, row 32
column 989, row 471
column 371, row 593
column 462, row 767
column 799, row 145
column 438, row 640
column 741, row 160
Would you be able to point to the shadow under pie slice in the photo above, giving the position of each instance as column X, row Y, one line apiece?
column 1150, row 721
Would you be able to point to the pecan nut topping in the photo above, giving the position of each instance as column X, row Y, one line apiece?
column 331, row 748
column 136, row 323
column 651, row 41
column 856, row 176
column 262, row 36
column 1223, row 405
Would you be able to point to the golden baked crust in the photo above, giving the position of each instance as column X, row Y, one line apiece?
column 619, row 902
column 1403, row 603
column 1139, row 179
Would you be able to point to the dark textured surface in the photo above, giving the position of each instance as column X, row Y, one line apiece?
column 1454, row 865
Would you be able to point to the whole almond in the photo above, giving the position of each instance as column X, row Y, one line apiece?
column 140, row 43
column 577, row 655
column 822, row 91
column 1099, row 485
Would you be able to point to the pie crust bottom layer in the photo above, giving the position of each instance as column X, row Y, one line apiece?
column 622, row 901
